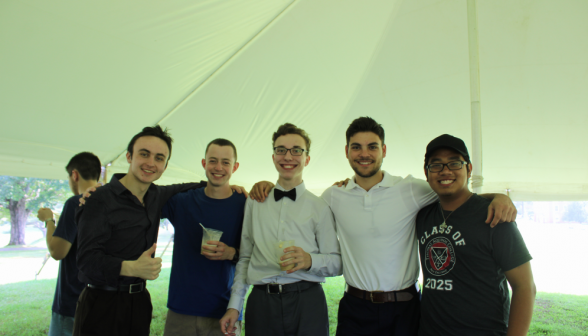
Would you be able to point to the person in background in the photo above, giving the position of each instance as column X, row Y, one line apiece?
column 84, row 172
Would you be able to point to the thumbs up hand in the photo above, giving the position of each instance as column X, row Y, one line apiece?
column 146, row 267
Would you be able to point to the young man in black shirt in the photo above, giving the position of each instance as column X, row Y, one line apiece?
column 466, row 264
column 118, row 228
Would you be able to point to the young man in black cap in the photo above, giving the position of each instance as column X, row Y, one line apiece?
column 466, row 263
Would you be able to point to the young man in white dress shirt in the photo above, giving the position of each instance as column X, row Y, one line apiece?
column 375, row 218
column 285, row 302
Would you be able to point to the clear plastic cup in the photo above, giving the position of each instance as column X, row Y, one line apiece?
column 209, row 234
column 279, row 247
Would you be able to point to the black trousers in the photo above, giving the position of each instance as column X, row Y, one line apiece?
column 102, row 312
column 359, row 317
column 287, row 314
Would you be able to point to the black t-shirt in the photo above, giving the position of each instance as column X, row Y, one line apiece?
column 465, row 291
column 68, row 286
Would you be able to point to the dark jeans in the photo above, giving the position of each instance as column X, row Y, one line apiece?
column 102, row 312
column 288, row 314
column 359, row 317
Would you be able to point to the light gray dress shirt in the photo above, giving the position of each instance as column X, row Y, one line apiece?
column 308, row 220
column 377, row 231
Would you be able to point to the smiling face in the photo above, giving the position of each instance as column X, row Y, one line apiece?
column 290, row 167
column 149, row 159
column 365, row 153
column 449, row 183
column 219, row 164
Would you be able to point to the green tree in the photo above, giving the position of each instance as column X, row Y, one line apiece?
column 23, row 195
column 575, row 212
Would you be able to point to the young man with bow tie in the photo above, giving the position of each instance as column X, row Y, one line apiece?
column 285, row 302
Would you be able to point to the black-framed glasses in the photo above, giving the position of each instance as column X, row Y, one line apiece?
column 438, row 167
column 296, row 151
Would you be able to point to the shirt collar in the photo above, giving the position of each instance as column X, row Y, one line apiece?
column 386, row 182
column 119, row 188
column 299, row 189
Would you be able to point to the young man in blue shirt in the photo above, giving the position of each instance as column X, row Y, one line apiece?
column 200, row 283
column 84, row 172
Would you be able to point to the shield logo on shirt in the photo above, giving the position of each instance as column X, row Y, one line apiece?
column 440, row 256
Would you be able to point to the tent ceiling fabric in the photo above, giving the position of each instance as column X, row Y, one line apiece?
column 80, row 76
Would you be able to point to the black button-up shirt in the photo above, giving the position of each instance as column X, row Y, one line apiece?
column 113, row 226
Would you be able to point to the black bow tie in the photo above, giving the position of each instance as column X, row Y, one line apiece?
column 278, row 194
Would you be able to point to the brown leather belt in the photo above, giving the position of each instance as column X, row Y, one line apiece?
column 381, row 297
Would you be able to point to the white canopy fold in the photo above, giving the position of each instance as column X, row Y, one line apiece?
column 86, row 76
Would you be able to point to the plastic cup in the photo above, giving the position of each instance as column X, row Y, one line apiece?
column 279, row 247
column 210, row 234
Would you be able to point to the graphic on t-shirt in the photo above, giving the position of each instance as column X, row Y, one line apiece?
column 440, row 256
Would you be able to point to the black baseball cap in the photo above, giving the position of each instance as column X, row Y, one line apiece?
column 447, row 141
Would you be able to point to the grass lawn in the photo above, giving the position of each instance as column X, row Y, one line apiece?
column 25, row 308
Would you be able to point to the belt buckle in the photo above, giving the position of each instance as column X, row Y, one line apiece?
column 279, row 288
column 140, row 285
column 372, row 296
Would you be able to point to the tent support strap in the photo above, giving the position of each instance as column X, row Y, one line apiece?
column 476, row 111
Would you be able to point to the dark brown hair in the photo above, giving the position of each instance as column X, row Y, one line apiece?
column 155, row 131
column 364, row 124
column 87, row 164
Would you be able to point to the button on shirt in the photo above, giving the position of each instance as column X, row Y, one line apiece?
column 376, row 231
column 114, row 226
column 308, row 221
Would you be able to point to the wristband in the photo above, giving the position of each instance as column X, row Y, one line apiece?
column 235, row 257
column 49, row 220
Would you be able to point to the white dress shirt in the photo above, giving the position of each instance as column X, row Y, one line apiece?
column 308, row 221
column 376, row 231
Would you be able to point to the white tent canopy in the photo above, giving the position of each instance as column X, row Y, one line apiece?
column 86, row 76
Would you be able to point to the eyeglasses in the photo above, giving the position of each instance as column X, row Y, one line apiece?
column 438, row 167
column 294, row 151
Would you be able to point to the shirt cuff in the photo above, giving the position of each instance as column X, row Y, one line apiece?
column 236, row 302
column 317, row 263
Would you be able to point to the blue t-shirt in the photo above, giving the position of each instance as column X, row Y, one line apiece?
column 68, row 286
column 198, row 286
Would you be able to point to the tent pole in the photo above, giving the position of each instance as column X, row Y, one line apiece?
column 476, row 150
column 105, row 179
